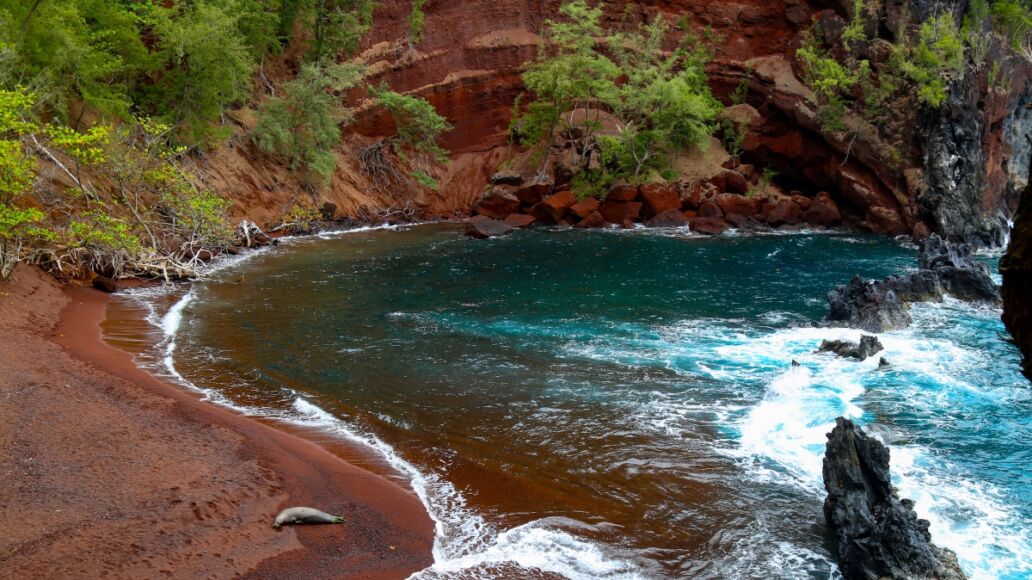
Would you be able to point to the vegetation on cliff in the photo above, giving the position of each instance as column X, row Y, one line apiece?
column 102, row 103
column 659, row 100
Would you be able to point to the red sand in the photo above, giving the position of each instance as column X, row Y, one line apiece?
column 107, row 471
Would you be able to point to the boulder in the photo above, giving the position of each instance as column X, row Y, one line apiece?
column 483, row 227
column 561, row 202
column 592, row 220
column 585, row 207
column 879, row 535
column 622, row 192
column 943, row 268
column 498, row 202
column 669, row 219
column 708, row 225
column 507, row 177
column 519, row 220
column 739, row 204
column 105, row 284
column 660, row 197
column 741, row 221
column 784, row 212
column 801, row 200
column 618, row 211
column 328, row 211
column 868, row 347
column 729, row 181
column 823, row 211
column 708, row 209
column 535, row 191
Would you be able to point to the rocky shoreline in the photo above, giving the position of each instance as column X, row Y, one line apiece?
column 711, row 207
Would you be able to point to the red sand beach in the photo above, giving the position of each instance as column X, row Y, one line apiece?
column 108, row 471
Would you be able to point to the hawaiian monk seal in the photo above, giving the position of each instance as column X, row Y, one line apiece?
column 305, row 515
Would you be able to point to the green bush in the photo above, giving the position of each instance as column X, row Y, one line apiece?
column 302, row 125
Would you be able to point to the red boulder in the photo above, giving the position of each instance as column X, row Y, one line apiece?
column 585, row 207
column 669, row 219
column 823, row 211
column 784, row 212
column 708, row 225
column 519, row 220
column 619, row 211
column 660, row 197
column 535, row 191
column 709, row 209
column 498, row 202
column 622, row 192
column 593, row 220
column 739, row 204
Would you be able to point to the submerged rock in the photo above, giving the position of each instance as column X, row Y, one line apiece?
column 483, row 227
column 879, row 535
column 882, row 305
column 868, row 347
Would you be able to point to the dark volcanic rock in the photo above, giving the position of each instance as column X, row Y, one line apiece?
column 483, row 227
column 879, row 534
column 944, row 268
column 1016, row 267
column 868, row 347
column 869, row 305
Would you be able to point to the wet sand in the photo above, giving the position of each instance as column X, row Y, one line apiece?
column 110, row 472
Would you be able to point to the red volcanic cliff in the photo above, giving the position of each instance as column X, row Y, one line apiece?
column 957, row 170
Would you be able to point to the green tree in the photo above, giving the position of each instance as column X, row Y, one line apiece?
column 418, row 127
column 568, row 74
column 208, row 66
column 665, row 102
column 71, row 51
column 415, row 22
column 18, row 224
column 336, row 26
column 303, row 124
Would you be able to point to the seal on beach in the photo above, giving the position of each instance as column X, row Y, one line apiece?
column 305, row 515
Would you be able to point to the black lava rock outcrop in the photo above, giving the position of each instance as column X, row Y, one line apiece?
column 868, row 347
column 879, row 535
column 1016, row 267
column 882, row 305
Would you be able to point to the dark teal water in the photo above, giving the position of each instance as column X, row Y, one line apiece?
column 621, row 403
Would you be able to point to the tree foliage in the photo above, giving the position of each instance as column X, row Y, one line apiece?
column 302, row 125
column 661, row 99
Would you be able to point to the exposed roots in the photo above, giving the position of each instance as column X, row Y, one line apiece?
column 375, row 162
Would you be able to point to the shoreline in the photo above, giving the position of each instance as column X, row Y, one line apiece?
column 111, row 469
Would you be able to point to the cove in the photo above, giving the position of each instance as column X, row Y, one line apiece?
column 619, row 403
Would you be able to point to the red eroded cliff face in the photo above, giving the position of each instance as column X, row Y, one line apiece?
column 951, row 170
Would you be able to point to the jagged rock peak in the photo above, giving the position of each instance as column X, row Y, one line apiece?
column 879, row 535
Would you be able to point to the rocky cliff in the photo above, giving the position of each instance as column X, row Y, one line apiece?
column 955, row 170
column 1016, row 267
